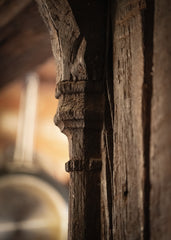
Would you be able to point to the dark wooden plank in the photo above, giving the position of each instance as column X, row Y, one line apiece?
column 107, row 187
column 128, row 159
column 160, row 170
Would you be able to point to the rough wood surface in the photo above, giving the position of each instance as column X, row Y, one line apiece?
column 74, row 29
column 133, row 154
column 67, row 44
column 160, row 170
column 107, row 187
column 135, row 143
column 79, row 116
column 128, row 160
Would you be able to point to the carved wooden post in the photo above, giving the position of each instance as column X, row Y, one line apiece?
column 78, row 119
column 78, row 43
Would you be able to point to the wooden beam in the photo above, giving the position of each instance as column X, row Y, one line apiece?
column 24, row 44
column 77, row 32
column 128, row 157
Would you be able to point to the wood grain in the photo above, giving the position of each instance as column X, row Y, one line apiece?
column 74, row 28
column 128, row 160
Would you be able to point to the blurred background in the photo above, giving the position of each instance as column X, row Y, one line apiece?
column 33, row 151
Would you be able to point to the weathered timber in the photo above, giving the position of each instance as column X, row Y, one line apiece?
column 128, row 159
column 74, row 29
column 160, row 162
column 135, row 147
column 74, row 37
column 78, row 119
column 24, row 40
column 107, row 187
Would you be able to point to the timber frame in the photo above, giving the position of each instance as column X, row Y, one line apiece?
column 74, row 29
column 114, row 100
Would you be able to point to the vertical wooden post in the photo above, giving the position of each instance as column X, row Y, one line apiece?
column 136, row 168
column 77, row 31
column 78, row 118
column 128, row 160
